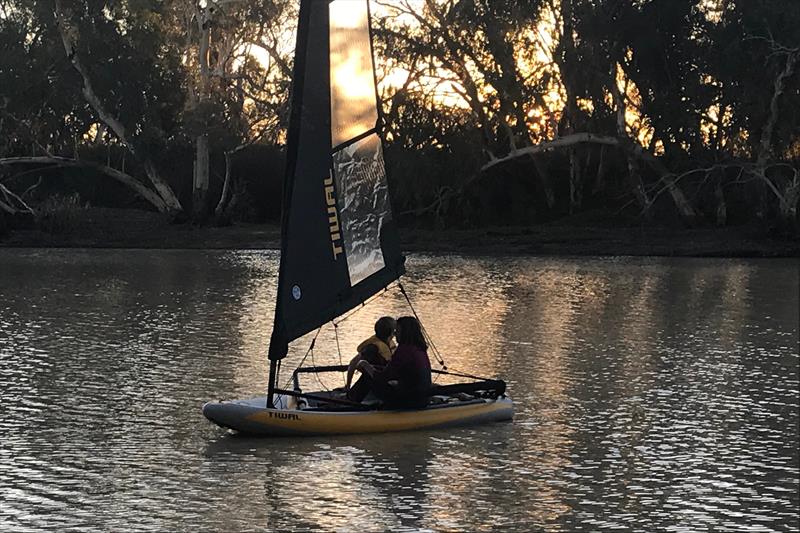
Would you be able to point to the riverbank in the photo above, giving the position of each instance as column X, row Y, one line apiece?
column 125, row 228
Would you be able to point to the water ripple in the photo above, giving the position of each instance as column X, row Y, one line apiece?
column 651, row 395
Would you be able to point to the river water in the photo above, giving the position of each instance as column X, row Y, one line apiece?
column 651, row 395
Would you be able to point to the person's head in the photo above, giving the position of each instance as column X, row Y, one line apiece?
column 409, row 331
column 384, row 328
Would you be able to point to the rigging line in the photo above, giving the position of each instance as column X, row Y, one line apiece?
column 338, row 348
column 435, row 350
column 425, row 334
column 303, row 360
column 335, row 324
column 278, row 372
column 360, row 307
column 316, row 374
column 436, row 353
column 465, row 375
column 435, row 379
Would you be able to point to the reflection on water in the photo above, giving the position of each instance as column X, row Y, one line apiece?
column 651, row 394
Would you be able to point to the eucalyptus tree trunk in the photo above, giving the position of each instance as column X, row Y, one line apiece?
column 600, row 175
column 634, row 174
column 789, row 197
column 170, row 202
column 567, row 65
column 201, row 178
column 201, row 159
column 226, row 187
column 510, row 90
column 722, row 206
column 636, row 152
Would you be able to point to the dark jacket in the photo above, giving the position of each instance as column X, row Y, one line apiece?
column 411, row 368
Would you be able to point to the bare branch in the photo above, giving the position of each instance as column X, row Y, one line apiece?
column 765, row 149
column 123, row 178
column 561, row 142
column 88, row 91
column 8, row 194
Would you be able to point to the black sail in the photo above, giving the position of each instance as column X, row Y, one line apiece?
column 339, row 244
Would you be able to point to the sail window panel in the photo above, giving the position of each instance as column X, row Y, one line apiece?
column 354, row 109
column 363, row 202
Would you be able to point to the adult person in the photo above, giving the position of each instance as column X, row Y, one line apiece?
column 405, row 383
column 377, row 350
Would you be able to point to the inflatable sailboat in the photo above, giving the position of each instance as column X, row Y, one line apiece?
column 339, row 245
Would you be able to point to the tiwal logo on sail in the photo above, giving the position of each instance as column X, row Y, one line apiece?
column 333, row 217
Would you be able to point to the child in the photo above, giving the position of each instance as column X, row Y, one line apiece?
column 405, row 383
column 377, row 350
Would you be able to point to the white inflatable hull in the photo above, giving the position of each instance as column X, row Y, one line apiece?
column 252, row 417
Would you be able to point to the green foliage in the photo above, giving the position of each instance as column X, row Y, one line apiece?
column 40, row 101
column 704, row 73
column 704, row 70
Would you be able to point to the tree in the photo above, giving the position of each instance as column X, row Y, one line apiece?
column 127, row 38
column 148, row 76
column 232, row 98
column 562, row 105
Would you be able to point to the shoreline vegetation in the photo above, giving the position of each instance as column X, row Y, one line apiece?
column 580, row 235
column 565, row 127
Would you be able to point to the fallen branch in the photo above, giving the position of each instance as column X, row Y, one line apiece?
column 9, row 196
column 7, row 208
column 127, row 180
column 667, row 177
column 168, row 201
column 561, row 142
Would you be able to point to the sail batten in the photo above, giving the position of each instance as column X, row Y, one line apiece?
column 339, row 243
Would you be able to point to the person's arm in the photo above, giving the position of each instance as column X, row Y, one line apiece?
column 367, row 368
column 351, row 369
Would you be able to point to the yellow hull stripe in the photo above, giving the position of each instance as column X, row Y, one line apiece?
column 293, row 421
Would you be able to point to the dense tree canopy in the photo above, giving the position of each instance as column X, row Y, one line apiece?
column 495, row 111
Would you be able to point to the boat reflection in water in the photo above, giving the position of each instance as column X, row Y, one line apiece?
column 351, row 479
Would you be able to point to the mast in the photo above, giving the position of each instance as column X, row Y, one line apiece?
column 277, row 349
column 339, row 243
